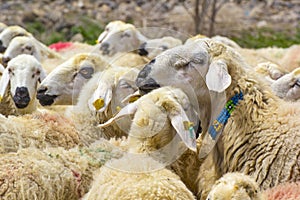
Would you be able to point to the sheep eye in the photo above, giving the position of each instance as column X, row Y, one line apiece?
column 125, row 35
column 124, row 84
column 38, row 72
column 163, row 47
column 32, row 76
column 10, row 71
column 87, row 72
column 298, row 83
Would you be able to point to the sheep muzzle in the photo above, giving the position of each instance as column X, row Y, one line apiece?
column 21, row 97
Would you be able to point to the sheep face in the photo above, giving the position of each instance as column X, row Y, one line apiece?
column 126, row 38
column 21, row 45
column 8, row 34
column 189, row 67
column 288, row 86
column 152, row 48
column 23, row 73
column 179, row 66
column 158, row 116
column 64, row 83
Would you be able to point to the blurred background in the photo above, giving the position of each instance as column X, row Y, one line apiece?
column 251, row 23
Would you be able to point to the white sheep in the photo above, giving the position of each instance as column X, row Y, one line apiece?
column 287, row 87
column 63, row 85
column 151, row 48
column 162, row 119
column 30, row 45
column 19, row 84
column 52, row 173
column 120, row 37
column 160, row 132
column 160, row 183
column 39, row 130
column 235, row 186
column 259, row 130
column 99, row 100
column 9, row 33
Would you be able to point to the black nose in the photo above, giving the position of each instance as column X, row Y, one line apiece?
column 142, row 50
column 21, row 97
column 148, row 85
column 45, row 99
column 104, row 48
column 5, row 60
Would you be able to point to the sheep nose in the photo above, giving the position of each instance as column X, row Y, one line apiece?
column 42, row 90
column 104, row 48
column 2, row 48
column 142, row 50
column 22, row 91
column 5, row 60
column 21, row 97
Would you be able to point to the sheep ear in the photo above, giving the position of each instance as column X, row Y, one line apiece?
column 184, row 128
column 4, row 83
column 102, row 36
column 101, row 98
column 127, row 110
column 217, row 78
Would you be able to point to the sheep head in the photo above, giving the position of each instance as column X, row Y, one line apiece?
column 23, row 72
column 64, row 83
column 9, row 33
column 158, row 116
column 119, row 37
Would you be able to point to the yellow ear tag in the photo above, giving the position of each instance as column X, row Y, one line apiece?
column 187, row 125
column 99, row 103
column 118, row 108
column 1, row 98
column 97, row 42
column 133, row 99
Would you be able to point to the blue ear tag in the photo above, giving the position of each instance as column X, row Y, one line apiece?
column 219, row 123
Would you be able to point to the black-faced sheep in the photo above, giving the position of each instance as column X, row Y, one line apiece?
column 259, row 130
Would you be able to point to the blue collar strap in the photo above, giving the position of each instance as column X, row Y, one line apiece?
column 219, row 123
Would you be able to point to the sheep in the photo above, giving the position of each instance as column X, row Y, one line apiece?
column 152, row 143
column 39, row 130
column 258, row 131
column 157, row 118
column 1, row 68
column 235, row 186
column 63, row 84
column 291, row 59
column 9, row 33
column 19, row 83
column 151, row 48
column 287, row 87
column 30, row 45
column 99, row 99
column 52, row 173
column 120, row 37
column 161, row 183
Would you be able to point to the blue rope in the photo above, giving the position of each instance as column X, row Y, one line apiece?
column 218, row 124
